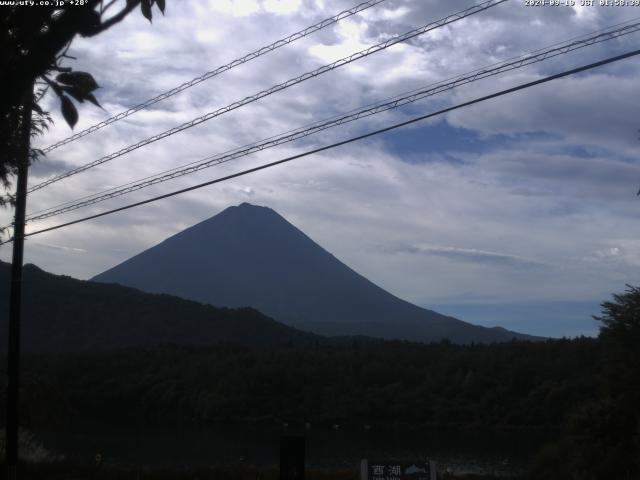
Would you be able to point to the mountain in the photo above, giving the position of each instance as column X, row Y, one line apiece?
column 62, row 314
column 251, row 256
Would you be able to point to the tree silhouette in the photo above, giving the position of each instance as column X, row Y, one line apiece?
column 602, row 440
column 34, row 41
column 620, row 334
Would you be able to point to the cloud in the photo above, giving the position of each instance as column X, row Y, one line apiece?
column 623, row 252
column 544, row 179
column 60, row 247
column 474, row 255
column 47, row 167
column 584, row 111
column 573, row 176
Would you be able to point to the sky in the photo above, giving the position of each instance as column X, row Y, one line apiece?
column 520, row 211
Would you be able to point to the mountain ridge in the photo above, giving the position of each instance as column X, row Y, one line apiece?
column 64, row 314
column 251, row 256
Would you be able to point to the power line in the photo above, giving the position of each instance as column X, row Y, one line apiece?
column 282, row 86
column 373, row 109
column 589, row 38
column 343, row 142
column 217, row 71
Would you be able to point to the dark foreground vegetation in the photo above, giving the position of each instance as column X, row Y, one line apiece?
column 391, row 383
column 586, row 390
column 398, row 385
column 62, row 471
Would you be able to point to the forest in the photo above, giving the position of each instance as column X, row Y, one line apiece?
column 383, row 383
column 584, row 391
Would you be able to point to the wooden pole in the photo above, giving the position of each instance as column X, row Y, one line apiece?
column 15, row 299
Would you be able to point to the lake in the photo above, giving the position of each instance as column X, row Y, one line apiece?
column 461, row 450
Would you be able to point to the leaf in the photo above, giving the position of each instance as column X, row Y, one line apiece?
column 81, row 80
column 69, row 111
column 76, row 93
column 90, row 24
column 145, row 6
column 80, row 95
column 56, row 88
column 93, row 100
column 65, row 77
column 161, row 5
column 37, row 108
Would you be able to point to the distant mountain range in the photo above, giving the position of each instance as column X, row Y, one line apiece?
column 251, row 256
column 62, row 314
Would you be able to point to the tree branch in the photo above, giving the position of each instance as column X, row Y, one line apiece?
column 108, row 6
column 117, row 18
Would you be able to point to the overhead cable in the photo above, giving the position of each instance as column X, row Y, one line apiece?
column 305, row 131
column 343, row 142
column 294, row 81
column 217, row 71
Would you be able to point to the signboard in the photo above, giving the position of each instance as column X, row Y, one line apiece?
column 390, row 470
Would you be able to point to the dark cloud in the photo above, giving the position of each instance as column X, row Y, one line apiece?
column 47, row 167
column 590, row 177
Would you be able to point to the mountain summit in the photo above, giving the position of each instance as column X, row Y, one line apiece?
column 251, row 256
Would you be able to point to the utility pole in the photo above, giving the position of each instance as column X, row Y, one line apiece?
column 15, row 299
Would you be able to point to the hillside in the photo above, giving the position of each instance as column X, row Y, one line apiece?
column 251, row 256
column 61, row 313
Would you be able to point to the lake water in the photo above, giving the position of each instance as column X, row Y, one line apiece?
column 475, row 451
